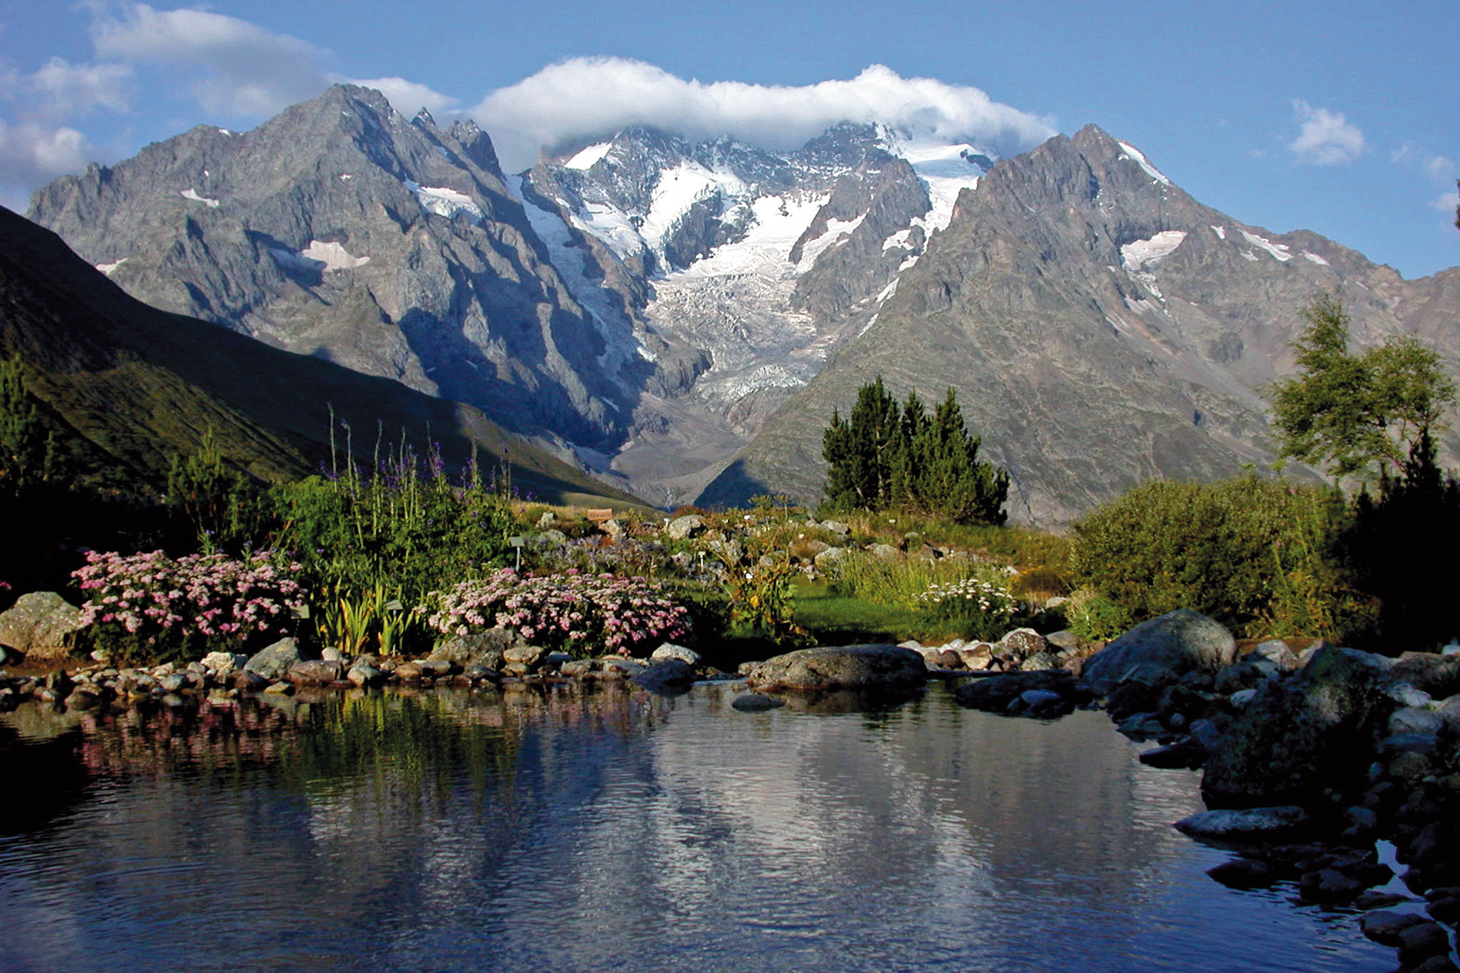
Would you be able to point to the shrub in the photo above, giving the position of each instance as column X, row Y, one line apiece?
column 149, row 606
column 1255, row 554
column 576, row 613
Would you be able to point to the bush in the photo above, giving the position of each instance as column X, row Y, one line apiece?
column 1258, row 555
column 576, row 613
column 980, row 606
column 146, row 606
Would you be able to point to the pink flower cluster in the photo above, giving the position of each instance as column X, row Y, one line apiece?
column 572, row 611
column 208, row 593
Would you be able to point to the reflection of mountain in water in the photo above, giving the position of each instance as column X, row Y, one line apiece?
column 611, row 829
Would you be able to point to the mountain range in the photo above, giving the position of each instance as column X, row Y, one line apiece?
column 682, row 318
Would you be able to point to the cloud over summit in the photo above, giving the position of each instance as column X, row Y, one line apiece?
column 585, row 97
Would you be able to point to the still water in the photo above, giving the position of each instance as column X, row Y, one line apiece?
column 573, row 830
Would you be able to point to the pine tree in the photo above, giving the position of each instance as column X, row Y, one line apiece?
column 885, row 457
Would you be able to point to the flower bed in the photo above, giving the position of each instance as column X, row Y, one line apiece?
column 151, row 605
column 578, row 613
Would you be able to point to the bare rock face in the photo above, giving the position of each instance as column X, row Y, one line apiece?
column 41, row 625
column 1100, row 326
column 344, row 230
column 826, row 668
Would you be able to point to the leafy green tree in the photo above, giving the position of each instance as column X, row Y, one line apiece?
column 883, row 456
column 1357, row 415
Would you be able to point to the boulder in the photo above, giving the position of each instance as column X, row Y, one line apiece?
column 484, row 648
column 666, row 676
column 683, row 528
column 1437, row 675
column 1161, row 650
column 41, row 625
column 272, row 662
column 1301, row 735
column 319, row 673
column 671, row 651
column 874, row 667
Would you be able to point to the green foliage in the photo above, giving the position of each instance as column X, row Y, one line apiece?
column 370, row 542
column 882, row 457
column 1357, row 415
column 1096, row 618
column 1255, row 554
column 980, row 606
column 223, row 509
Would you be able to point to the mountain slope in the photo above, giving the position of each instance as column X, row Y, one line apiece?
column 141, row 385
column 341, row 229
column 1101, row 328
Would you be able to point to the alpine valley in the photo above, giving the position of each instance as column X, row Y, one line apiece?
column 682, row 318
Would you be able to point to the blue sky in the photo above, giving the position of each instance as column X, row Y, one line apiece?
column 1335, row 117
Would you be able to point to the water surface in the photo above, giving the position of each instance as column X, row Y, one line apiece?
column 570, row 830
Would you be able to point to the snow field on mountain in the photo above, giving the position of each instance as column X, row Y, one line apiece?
column 1135, row 155
column 777, row 223
column 445, row 202
column 1139, row 253
column 943, row 169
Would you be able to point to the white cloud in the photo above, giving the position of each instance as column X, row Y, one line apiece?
column 32, row 155
column 249, row 71
column 67, row 89
column 1325, row 138
column 584, row 97
column 408, row 97
column 1446, row 203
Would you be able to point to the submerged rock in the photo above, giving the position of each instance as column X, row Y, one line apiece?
column 1041, row 693
column 756, row 703
column 873, row 667
column 1256, row 822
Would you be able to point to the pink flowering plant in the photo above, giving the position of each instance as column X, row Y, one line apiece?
column 582, row 614
column 149, row 606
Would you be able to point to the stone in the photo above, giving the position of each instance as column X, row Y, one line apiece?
column 407, row 672
column 883, row 552
column 828, row 557
column 173, row 682
column 576, row 668
column 530, row 656
column 1024, row 642
column 365, row 675
column 1250, row 823
column 1436, row 675
column 862, row 667
column 1385, row 926
column 683, row 528
column 1277, row 652
column 1183, row 754
column 280, row 689
column 1412, row 719
column 1422, row 940
column 1300, row 736
column 1329, row 885
column 671, row 651
column 317, row 673
column 272, row 662
column 223, row 663
column 1439, row 963
column 1246, row 674
column 666, row 676
column 836, row 527
column 756, row 703
column 1161, row 650
column 481, row 648
column 41, row 626
column 1406, row 695
column 1207, row 734
column 1010, row 693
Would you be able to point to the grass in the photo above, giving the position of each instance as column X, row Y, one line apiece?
column 842, row 620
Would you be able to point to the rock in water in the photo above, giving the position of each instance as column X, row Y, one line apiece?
column 274, row 661
column 1160, row 651
column 1256, row 822
column 863, row 667
column 1301, row 735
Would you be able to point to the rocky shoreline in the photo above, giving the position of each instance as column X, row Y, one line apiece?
column 1310, row 756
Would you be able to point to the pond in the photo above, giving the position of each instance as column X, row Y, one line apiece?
column 606, row 828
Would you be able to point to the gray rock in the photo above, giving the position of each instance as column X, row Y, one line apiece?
column 1300, row 735
column 1421, row 941
column 364, row 675
column 315, row 673
column 683, row 528
column 1161, row 650
column 275, row 660
column 1206, row 734
column 883, row 552
column 1251, row 823
column 1414, row 720
column 1023, row 643
column 1000, row 694
column 756, row 703
column 828, row 557
column 667, row 676
column 174, row 682
column 671, row 651
column 1406, row 695
column 484, row 648
column 1437, row 675
column 873, row 667
column 1385, row 926
column 1277, row 652
column 41, row 626
column 836, row 527
column 530, row 656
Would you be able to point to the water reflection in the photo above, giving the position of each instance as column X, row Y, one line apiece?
column 607, row 828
